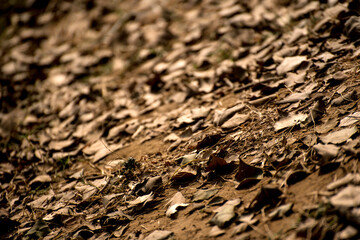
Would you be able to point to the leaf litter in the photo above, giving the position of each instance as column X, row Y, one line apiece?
column 108, row 109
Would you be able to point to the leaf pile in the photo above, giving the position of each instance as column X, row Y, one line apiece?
column 240, row 114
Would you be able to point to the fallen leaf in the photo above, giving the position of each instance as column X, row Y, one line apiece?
column 216, row 163
column 339, row 136
column 208, row 141
column 225, row 214
column 140, row 202
column 281, row 211
column 295, row 97
column 184, row 174
column 221, row 116
column 173, row 209
column 296, row 176
column 352, row 27
column 246, row 171
column 175, row 203
column 41, row 202
column 78, row 175
column 348, row 233
column 245, row 222
column 215, row 231
column 347, row 197
column 350, row 119
column 349, row 178
column 150, row 185
column 204, row 194
column 186, row 158
column 290, row 64
column 290, row 121
column 217, row 200
column 267, row 195
column 327, row 151
column 39, row 230
column 159, row 235
column 235, row 121
column 40, row 180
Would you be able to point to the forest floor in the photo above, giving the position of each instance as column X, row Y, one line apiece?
column 180, row 119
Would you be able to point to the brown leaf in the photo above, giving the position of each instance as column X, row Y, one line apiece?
column 204, row 194
column 184, row 174
column 327, row 151
column 290, row 121
column 246, row 171
column 215, row 163
column 221, row 116
column 290, row 64
column 159, row 235
column 339, row 136
column 267, row 195
column 225, row 214
column 208, row 141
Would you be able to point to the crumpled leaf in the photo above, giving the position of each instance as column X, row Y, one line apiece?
column 348, row 233
column 225, row 214
column 348, row 197
column 215, row 231
column 247, row 171
column 296, row 176
column 352, row 27
column 39, row 180
column 216, row 163
column 159, row 235
column 290, row 64
column 339, row 136
column 326, row 151
column 184, row 174
column 140, row 202
column 290, row 121
column 41, row 202
column 295, row 97
column 349, row 178
column 176, row 202
column 39, row 230
column 267, row 195
column 281, row 211
column 204, row 194
column 208, row 141
column 221, row 116
column 245, row 222
column 350, row 119
column 186, row 158
column 235, row 121
column 149, row 185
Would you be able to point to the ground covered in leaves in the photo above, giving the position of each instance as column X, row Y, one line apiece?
column 180, row 119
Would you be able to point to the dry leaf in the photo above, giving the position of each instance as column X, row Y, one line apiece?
column 339, row 136
column 348, row 197
column 202, row 194
column 327, row 151
column 290, row 64
column 246, row 171
column 159, row 235
column 225, row 214
column 290, row 121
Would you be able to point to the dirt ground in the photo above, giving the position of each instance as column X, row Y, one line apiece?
column 198, row 119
